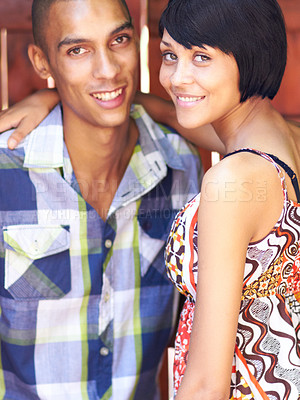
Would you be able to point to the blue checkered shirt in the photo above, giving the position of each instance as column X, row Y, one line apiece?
column 86, row 308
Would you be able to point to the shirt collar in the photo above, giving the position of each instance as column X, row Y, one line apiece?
column 152, row 155
column 152, row 137
column 44, row 147
column 148, row 165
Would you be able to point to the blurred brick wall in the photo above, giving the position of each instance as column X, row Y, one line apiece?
column 15, row 16
column 22, row 80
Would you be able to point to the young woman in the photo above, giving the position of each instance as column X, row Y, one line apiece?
column 234, row 250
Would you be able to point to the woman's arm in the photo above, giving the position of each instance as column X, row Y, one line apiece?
column 163, row 111
column 229, row 212
column 27, row 114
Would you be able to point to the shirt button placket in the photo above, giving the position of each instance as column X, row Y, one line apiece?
column 104, row 351
column 108, row 243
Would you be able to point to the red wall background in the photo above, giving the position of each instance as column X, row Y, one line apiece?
column 15, row 17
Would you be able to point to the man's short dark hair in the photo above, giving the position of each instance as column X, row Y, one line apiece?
column 39, row 13
column 253, row 31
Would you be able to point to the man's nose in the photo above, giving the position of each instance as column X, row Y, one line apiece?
column 106, row 65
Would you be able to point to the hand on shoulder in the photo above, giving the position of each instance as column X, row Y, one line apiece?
column 27, row 115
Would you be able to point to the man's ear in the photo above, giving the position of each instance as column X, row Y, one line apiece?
column 39, row 61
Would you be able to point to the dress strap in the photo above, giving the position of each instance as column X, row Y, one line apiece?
column 275, row 161
column 290, row 173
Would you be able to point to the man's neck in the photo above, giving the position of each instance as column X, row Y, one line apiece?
column 99, row 158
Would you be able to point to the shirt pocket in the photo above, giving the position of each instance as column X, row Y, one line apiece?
column 151, row 253
column 154, row 227
column 37, row 261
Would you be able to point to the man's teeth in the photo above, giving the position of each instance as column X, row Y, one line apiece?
column 190, row 98
column 107, row 96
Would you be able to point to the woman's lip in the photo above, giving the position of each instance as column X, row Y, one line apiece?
column 188, row 100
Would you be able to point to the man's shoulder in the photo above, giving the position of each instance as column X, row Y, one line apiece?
column 180, row 144
column 54, row 118
column 4, row 137
column 4, row 147
column 10, row 159
column 162, row 133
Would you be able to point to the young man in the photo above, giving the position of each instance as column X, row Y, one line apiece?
column 86, row 204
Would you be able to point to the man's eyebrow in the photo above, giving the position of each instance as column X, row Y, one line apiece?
column 67, row 41
column 126, row 25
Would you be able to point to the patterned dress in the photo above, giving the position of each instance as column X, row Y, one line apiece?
column 266, row 363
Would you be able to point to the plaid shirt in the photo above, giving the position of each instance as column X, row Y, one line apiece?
column 86, row 308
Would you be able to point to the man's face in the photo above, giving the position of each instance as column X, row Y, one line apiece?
column 92, row 55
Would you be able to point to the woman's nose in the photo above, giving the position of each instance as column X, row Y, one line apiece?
column 182, row 74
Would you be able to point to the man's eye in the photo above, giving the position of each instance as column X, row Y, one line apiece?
column 169, row 56
column 120, row 40
column 76, row 51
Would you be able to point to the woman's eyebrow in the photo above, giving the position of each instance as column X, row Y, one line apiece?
column 165, row 43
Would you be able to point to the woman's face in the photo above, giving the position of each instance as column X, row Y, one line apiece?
column 202, row 82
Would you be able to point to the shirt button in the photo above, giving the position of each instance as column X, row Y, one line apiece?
column 104, row 351
column 106, row 297
column 108, row 243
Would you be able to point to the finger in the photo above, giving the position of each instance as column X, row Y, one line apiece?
column 13, row 141
column 7, row 121
column 24, row 128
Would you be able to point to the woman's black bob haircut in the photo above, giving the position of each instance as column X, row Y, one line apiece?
column 253, row 31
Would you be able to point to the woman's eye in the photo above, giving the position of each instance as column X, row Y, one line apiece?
column 169, row 57
column 76, row 51
column 201, row 58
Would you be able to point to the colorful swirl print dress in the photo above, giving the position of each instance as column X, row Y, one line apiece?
column 266, row 363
